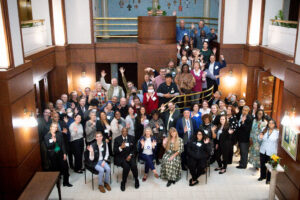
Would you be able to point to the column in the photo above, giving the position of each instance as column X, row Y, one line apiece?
column 206, row 10
column 114, row 70
column 104, row 10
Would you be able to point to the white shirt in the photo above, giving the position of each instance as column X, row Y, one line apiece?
column 211, row 68
column 269, row 143
column 203, row 112
column 148, row 147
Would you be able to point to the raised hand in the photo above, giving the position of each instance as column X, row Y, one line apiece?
column 103, row 73
column 206, row 141
column 90, row 148
column 214, row 50
column 222, row 57
column 192, row 26
column 122, row 70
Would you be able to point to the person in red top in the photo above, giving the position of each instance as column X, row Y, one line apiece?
column 199, row 77
column 150, row 100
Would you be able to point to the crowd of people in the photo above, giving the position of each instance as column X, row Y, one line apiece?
column 120, row 126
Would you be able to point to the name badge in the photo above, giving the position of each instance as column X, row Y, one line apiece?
column 127, row 144
column 101, row 149
column 161, row 128
column 206, row 132
column 106, row 131
column 146, row 121
column 98, row 118
column 108, row 117
column 217, row 67
column 171, row 119
column 99, row 94
column 172, row 91
column 199, row 144
column 197, row 115
column 50, row 140
column 154, row 98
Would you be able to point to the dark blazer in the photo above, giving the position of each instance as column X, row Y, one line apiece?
column 243, row 130
column 120, row 156
column 100, row 127
column 198, row 151
column 180, row 129
column 97, row 153
column 166, row 115
column 140, row 150
column 217, row 67
column 211, row 102
column 81, row 112
column 43, row 127
column 50, row 145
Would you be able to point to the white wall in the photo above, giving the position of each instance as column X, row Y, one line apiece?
column 40, row 10
column 78, row 21
column 297, row 58
column 255, row 22
column 235, row 21
column 271, row 10
column 15, row 32
column 219, row 19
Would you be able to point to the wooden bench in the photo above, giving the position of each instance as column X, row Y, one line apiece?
column 41, row 186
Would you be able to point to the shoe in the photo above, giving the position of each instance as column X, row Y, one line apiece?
column 196, row 182
column 222, row 172
column 156, row 175
column 260, row 178
column 78, row 172
column 107, row 186
column 217, row 169
column 157, row 162
column 67, row 185
column 137, row 184
column 169, row 183
column 144, row 178
column 101, row 188
column 267, row 182
column 122, row 186
column 190, row 181
column 240, row 167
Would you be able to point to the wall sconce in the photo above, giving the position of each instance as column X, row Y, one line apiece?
column 27, row 121
column 230, row 79
column 290, row 119
column 84, row 80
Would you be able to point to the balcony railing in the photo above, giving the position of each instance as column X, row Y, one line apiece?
column 282, row 36
column 127, row 27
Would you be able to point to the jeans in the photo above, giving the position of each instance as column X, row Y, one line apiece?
column 101, row 171
column 148, row 162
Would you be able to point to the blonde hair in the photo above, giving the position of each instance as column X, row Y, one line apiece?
column 147, row 129
column 176, row 145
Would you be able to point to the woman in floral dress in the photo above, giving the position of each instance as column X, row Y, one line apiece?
column 258, row 125
column 171, row 161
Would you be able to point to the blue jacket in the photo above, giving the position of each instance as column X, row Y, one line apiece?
column 217, row 67
column 180, row 33
column 198, row 121
column 180, row 129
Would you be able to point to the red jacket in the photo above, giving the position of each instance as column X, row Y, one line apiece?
column 151, row 103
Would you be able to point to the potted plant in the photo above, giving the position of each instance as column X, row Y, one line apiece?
column 150, row 11
column 159, row 12
column 164, row 13
column 274, row 161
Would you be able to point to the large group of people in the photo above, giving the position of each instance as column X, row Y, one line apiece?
column 120, row 126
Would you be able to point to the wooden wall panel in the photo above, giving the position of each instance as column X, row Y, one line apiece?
column 291, row 82
column 252, row 56
column 116, row 53
column 233, row 53
column 25, row 138
column 82, row 53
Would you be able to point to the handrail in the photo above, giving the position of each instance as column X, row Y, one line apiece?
column 116, row 36
column 32, row 21
column 184, row 96
column 115, row 18
column 284, row 21
column 116, row 30
column 209, row 18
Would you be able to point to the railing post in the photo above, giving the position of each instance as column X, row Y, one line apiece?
column 184, row 99
column 104, row 9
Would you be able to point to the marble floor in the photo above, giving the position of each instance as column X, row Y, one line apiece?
column 236, row 184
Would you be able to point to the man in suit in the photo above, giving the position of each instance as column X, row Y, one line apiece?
column 243, row 134
column 82, row 108
column 124, row 151
column 186, row 128
column 170, row 116
column 214, row 67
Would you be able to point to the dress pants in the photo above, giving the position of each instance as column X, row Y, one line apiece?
column 127, row 166
column 196, row 167
column 264, row 173
column 77, row 150
column 148, row 162
column 244, row 150
column 57, row 163
column 102, row 170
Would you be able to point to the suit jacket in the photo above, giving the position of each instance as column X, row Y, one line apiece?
column 51, row 145
column 181, row 123
column 243, row 130
column 120, row 156
column 166, row 115
column 217, row 67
